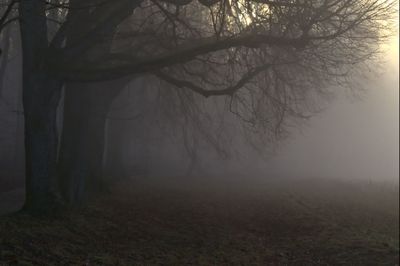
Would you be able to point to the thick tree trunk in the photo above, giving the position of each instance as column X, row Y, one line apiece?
column 85, row 110
column 71, row 173
column 41, row 95
column 83, row 139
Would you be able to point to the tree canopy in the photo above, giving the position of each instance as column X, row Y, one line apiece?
column 270, row 57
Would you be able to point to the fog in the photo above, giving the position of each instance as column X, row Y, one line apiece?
column 351, row 139
column 199, row 132
column 354, row 138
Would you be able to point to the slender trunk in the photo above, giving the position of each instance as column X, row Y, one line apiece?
column 41, row 95
column 5, row 41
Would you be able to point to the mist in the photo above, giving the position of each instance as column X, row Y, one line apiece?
column 199, row 132
column 353, row 139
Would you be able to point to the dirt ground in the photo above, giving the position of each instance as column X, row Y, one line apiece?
column 215, row 222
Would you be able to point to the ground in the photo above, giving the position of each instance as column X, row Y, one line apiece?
column 215, row 222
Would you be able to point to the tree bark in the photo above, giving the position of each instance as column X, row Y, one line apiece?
column 40, row 100
column 41, row 95
column 86, row 107
column 83, row 139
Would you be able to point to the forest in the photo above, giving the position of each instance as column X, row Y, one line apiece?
column 139, row 132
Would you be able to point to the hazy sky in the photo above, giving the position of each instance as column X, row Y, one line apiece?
column 351, row 139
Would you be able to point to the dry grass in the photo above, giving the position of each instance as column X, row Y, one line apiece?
column 148, row 222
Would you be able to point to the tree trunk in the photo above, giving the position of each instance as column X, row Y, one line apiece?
column 71, row 173
column 40, row 100
column 83, row 139
column 85, row 109
column 41, row 94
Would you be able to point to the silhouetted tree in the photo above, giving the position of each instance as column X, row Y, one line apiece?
column 271, row 59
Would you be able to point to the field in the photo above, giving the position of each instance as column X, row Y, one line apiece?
column 198, row 221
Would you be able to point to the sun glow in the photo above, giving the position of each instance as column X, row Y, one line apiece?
column 393, row 43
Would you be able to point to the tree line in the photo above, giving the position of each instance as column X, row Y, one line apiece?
column 268, row 63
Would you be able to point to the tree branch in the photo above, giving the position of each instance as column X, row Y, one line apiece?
column 228, row 91
column 119, row 65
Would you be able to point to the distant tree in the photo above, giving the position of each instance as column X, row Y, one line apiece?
column 272, row 60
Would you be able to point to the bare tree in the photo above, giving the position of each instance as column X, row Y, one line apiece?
column 272, row 59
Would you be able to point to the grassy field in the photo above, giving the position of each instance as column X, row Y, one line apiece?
column 215, row 222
